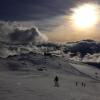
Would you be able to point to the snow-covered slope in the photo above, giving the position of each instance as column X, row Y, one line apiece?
column 91, row 71
column 30, row 77
column 37, row 62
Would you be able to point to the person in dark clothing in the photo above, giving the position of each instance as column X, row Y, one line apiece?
column 76, row 83
column 56, row 81
column 82, row 84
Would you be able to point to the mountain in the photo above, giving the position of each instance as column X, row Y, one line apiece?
column 85, row 50
column 83, row 47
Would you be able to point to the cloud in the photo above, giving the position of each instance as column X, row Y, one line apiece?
column 15, row 33
column 18, row 10
column 37, row 10
column 26, row 36
column 16, row 39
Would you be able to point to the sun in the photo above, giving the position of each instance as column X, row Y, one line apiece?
column 85, row 16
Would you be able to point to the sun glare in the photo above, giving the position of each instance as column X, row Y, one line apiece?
column 85, row 16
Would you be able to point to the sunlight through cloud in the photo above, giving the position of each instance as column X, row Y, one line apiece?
column 85, row 16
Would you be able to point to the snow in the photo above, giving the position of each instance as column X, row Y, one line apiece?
column 39, row 85
column 88, row 70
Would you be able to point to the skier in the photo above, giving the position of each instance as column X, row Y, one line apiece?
column 76, row 83
column 56, row 81
column 82, row 84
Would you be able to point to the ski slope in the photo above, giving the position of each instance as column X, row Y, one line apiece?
column 29, row 83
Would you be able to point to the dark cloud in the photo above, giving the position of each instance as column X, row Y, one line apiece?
column 33, row 9
column 15, row 39
column 26, row 36
column 23, row 36
column 14, row 33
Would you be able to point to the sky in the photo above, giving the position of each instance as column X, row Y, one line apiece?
column 50, row 16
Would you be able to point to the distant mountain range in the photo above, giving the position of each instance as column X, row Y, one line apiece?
column 83, row 47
